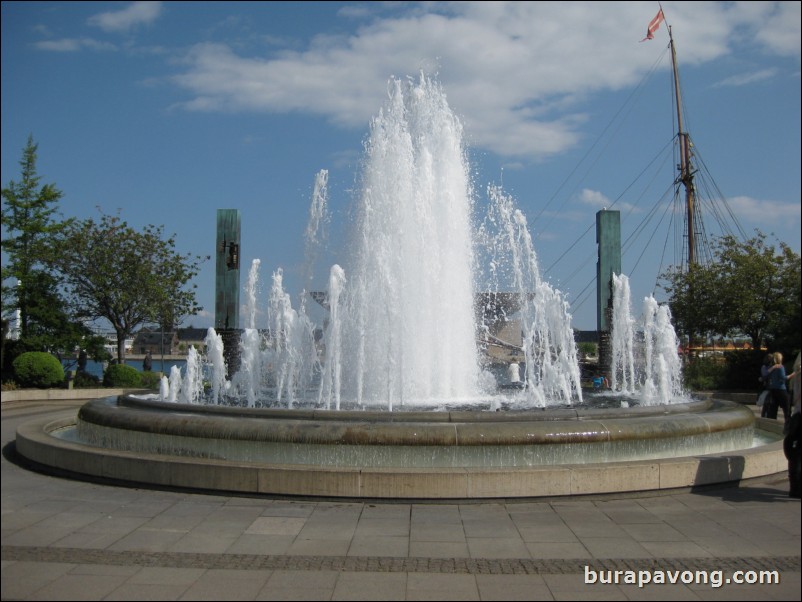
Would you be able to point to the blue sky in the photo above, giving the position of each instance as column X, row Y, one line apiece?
column 170, row 111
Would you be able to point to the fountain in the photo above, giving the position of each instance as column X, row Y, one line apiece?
column 398, row 402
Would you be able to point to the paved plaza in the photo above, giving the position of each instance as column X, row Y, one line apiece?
column 72, row 540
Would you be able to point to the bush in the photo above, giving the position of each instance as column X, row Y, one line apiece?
column 120, row 375
column 150, row 380
column 84, row 380
column 738, row 370
column 704, row 374
column 743, row 369
column 38, row 369
column 11, row 351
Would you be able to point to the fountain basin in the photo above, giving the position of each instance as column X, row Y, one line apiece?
column 409, row 455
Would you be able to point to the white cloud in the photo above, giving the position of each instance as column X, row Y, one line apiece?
column 597, row 199
column 744, row 79
column 138, row 13
column 780, row 32
column 74, row 45
column 594, row 198
column 764, row 212
column 514, row 71
column 42, row 30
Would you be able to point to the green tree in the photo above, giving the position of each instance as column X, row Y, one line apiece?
column 129, row 277
column 30, row 220
column 28, row 214
column 750, row 288
column 694, row 301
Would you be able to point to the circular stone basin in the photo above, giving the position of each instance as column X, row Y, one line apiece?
column 458, row 454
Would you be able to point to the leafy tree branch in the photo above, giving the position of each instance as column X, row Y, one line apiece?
column 128, row 277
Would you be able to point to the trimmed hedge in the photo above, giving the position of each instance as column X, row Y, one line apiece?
column 38, row 369
column 120, row 375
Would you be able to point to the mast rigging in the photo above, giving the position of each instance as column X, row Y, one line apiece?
column 685, row 167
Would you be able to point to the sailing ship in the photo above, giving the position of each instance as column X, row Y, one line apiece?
column 697, row 210
column 697, row 243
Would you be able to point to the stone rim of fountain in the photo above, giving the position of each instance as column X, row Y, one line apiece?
column 35, row 441
column 414, row 428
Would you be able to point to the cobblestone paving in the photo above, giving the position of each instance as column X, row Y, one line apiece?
column 471, row 566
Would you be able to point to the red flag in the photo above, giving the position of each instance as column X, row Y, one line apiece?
column 653, row 25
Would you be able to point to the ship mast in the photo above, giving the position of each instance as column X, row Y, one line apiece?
column 685, row 167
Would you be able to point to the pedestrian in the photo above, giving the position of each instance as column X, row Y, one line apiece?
column 600, row 382
column 778, row 388
column 147, row 363
column 792, row 444
column 763, row 399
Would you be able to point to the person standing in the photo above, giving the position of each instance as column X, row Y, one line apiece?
column 792, row 444
column 778, row 388
column 764, row 399
column 147, row 363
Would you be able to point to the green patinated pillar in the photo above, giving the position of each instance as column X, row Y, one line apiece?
column 608, row 239
column 227, row 285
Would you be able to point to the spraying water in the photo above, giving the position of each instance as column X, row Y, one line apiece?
column 402, row 326
column 316, row 234
column 214, row 356
column 249, row 377
column 551, row 363
column 251, row 291
column 622, row 377
column 330, row 387
column 164, row 388
column 291, row 350
column 663, row 369
column 174, row 384
column 409, row 330
column 646, row 361
column 192, row 383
